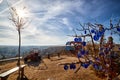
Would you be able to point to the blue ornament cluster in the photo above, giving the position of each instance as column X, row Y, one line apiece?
column 97, row 33
column 69, row 66
column 101, row 60
column 78, row 39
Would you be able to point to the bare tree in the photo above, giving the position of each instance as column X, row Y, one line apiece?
column 104, row 58
column 19, row 22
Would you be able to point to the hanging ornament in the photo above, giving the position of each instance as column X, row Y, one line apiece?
column 118, row 29
column 101, row 33
column 111, row 33
column 82, row 52
column 111, row 25
column 72, row 66
column 85, row 32
column 96, row 37
column 79, row 55
column 76, row 39
column 66, row 67
column 92, row 31
column 79, row 39
column 97, row 67
column 85, row 65
column 84, row 43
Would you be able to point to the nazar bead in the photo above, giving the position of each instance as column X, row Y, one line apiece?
column 66, row 67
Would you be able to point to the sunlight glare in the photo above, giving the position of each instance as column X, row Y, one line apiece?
column 1, row 1
column 21, row 13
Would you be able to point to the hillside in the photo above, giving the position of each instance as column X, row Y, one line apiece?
column 11, row 51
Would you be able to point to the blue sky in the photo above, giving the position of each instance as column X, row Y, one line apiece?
column 53, row 20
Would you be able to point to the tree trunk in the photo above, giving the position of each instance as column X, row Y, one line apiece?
column 19, row 48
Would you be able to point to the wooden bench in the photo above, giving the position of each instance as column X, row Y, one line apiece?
column 5, row 75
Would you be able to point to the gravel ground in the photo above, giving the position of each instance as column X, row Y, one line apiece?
column 50, row 70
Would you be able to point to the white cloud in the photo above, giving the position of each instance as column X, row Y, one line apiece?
column 51, row 21
column 44, row 35
column 66, row 22
column 50, row 12
column 9, row 3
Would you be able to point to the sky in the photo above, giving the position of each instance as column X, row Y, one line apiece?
column 50, row 21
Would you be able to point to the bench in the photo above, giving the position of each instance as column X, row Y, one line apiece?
column 5, row 75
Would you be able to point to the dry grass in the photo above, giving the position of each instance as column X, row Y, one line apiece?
column 36, row 71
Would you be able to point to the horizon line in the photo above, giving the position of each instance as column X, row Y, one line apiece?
column 34, row 45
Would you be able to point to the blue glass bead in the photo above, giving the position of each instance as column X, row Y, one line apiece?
column 97, row 67
column 79, row 39
column 111, row 25
column 72, row 66
column 66, row 67
column 76, row 39
column 82, row 52
column 85, row 32
column 79, row 55
column 96, row 32
column 103, row 30
column 92, row 31
column 100, row 33
column 118, row 29
column 96, row 38
column 84, row 43
column 85, row 65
